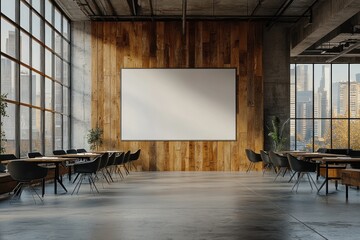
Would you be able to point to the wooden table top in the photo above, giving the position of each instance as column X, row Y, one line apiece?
column 79, row 155
column 42, row 160
column 340, row 160
column 316, row 155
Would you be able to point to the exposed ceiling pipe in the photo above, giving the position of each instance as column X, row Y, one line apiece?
column 134, row 8
column 184, row 16
column 279, row 12
column 109, row 7
column 352, row 47
column 151, row 8
column 307, row 10
column 258, row 5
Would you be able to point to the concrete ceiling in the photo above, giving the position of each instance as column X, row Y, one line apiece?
column 315, row 24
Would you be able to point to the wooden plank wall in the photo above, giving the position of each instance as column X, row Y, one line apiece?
column 117, row 45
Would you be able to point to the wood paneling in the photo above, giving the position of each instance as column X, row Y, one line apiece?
column 161, row 45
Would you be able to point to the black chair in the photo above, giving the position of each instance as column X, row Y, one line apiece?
column 300, row 168
column 4, row 157
column 322, row 150
column 281, row 163
column 355, row 154
column 266, row 160
column 71, row 151
column 118, row 162
column 103, row 163
column 253, row 158
column 59, row 152
column 133, row 157
column 34, row 154
column 86, row 169
column 81, row 150
column 25, row 173
column 110, row 164
column 125, row 161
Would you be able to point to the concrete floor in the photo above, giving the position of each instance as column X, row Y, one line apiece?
column 185, row 205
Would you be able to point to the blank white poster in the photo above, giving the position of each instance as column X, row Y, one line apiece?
column 178, row 104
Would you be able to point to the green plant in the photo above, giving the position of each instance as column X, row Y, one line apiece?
column 3, row 106
column 276, row 132
column 95, row 138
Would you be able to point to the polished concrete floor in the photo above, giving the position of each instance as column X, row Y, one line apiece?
column 185, row 205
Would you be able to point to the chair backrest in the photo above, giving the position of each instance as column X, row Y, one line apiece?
column 126, row 157
column 112, row 159
column 34, row 154
column 265, row 157
column 71, row 151
column 88, row 167
column 277, row 160
column 119, row 159
column 26, row 171
column 252, row 156
column 300, row 165
column 59, row 152
column 5, row 157
column 322, row 150
column 104, row 160
column 135, row 156
column 344, row 151
column 81, row 150
column 355, row 154
column 295, row 164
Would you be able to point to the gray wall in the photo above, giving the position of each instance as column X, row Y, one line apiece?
column 276, row 60
column 81, row 83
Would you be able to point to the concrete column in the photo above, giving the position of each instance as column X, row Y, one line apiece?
column 276, row 67
column 81, row 83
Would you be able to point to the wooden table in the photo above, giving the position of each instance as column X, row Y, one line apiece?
column 333, row 160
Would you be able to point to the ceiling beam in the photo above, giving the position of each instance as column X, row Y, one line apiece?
column 352, row 47
column 286, row 19
column 327, row 16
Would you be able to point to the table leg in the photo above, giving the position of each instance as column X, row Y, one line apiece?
column 57, row 179
column 327, row 177
column 43, row 187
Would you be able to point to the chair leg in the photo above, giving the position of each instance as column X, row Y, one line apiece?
column 32, row 188
column 77, row 184
column 126, row 169
column 76, row 177
column 309, row 175
column 93, row 183
column 250, row 166
column 292, row 176
column 109, row 174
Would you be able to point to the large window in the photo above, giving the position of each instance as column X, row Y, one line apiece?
column 35, row 75
column 325, row 106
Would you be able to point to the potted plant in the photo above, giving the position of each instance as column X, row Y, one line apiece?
column 3, row 106
column 95, row 138
column 276, row 132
